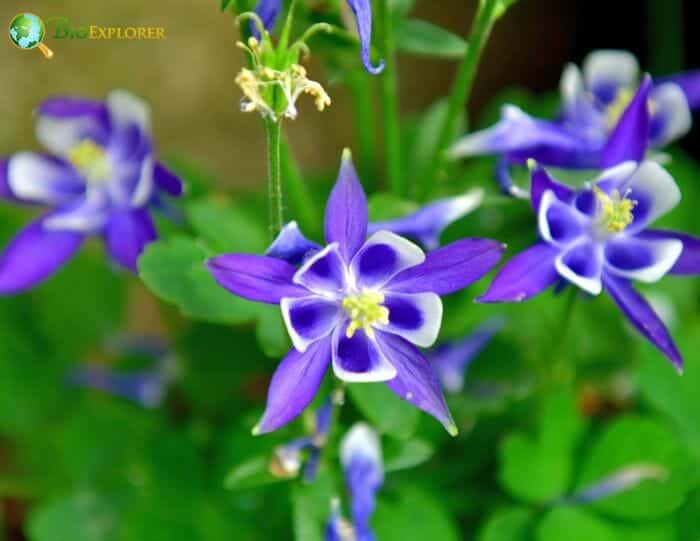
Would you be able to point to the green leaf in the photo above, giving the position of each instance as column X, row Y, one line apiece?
column 508, row 525
column 403, row 455
column 226, row 229
column 387, row 412
column 423, row 38
column 175, row 271
column 573, row 524
column 632, row 441
column 413, row 516
column 383, row 206
column 540, row 469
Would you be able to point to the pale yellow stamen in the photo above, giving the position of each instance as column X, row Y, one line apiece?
column 615, row 212
column 365, row 309
column 91, row 160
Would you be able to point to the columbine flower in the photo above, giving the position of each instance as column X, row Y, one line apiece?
column 427, row 224
column 101, row 178
column 269, row 10
column 289, row 458
column 361, row 302
column 598, row 108
column 361, row 457
column 451, row 360
column 292, row 246
column 597, row 239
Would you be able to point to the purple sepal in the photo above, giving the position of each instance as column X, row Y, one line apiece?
column 451, row 360
column 256, row 278
column 416, row 380
column 643, row 317
column 291, row 245
column 71, row 107
column 346, row 211
column 268, row 11
column 450, row 268
column 127, row 233
column 629, row 139
column 34, row 255
column 294, row 385
column 363, row 15
column 690, row 85
column 166, row 180
column 688, row 263
column 5, row 191
column 540, row 182
column 524, row 276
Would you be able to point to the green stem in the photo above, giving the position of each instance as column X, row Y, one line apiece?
column 274, row 186
column 390, row 101
column 464, row 81
column 363, row 105
column 299, row 193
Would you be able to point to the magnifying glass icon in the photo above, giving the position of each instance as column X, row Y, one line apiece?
column 27, row 31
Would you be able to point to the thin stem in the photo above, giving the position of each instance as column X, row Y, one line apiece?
column 361, row 92
column 274, row 186
column 299, row 193
column 287, row 30
column 390, row 101
column 464, row 81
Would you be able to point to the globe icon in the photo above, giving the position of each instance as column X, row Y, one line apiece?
column 27, row 31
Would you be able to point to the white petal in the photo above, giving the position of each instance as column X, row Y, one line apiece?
column 382, row 257
column 381, row 369
column 664, row 254
column 34, row 177
column 361, row 440
column 88, row 217
column 656, row 185
column 126, row 109
column 670, row 105
column 424, row 309
column 611, row 67
column 320, row 316
column 59, row 135
column 144, row 188
column 591, row 284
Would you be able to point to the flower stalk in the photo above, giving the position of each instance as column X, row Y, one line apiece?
column 273, row 130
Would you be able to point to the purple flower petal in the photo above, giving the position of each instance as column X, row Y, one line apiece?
column 254, row 277
column 415, row 317
column 629, row 139
column 268, row 11
column 65, row 121
column 416, row 380
column 5, row 191
column 358, row 359
column 127, row 233
column 671, row 118
column 608, row 71
column 654, row 190
column 36, row 178
column 582, row 265
column 690, row 84
column 166, row 180
column 291, row 245
column 643, row 317
column 146, row 388
column 382, row 257
column 450, row 268
column 34, row 255
column 346, row 211
column 127, row 111
column 542, row 182
column 323, row 273
column 294, row 385
column 427, row 223
column 309, row 319
column 689, row 261
column 363, row 15
column 87, row 214
column 524, row 276
column 645, row 260
column 558, row 222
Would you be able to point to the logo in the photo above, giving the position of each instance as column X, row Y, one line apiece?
column 27, row 32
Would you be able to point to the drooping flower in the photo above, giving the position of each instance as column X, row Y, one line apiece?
column 269, row 10
column 599, row 107
column 288, row 459
column 361, row 457
column 427, row 224
column 597, row 239
column 451, row 360
column 363, row 303
column 101, row 178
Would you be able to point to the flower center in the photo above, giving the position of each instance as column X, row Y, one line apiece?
column 365, row 309
column 615, row 213
column 616, row 109
column 91, row 160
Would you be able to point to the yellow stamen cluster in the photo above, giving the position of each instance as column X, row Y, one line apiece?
column 615, row 212
column 365, row 309
column 91, row 160
column 258, row 82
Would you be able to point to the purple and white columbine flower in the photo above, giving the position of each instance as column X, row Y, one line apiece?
column 594, row 116
column 597, row 239
column 364, row 303
column 101, row 178
column 269, row 10
column 361, row 457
